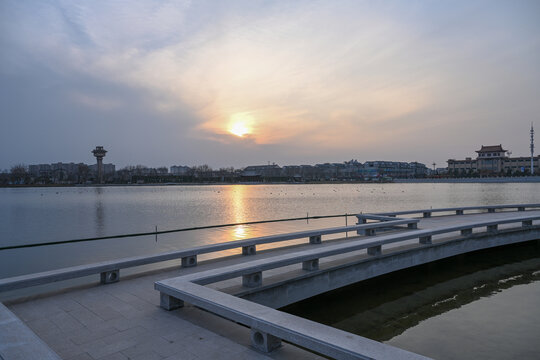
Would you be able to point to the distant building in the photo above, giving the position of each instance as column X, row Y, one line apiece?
column 417, row 169
column 491, row 159
column 521, row 164
column 462, row 166
column 57, row 172
column 394, row 169
column 161, row 171
column 327, row 171
column 293, row 172
column 180, row 170
column 108, row 169
column 299, row 172
column 41, row 170
column 441, row 171
column 259, row 172
column 68, row 169
column 351, row 170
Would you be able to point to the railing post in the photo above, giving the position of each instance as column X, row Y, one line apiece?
column 375, row 250
column 252, row 280
column 491, row 210
column 521, row 208
column 264, row 341
column 169, row 303
column 466, row 231
column 109, row 277
column 459, row 212
column 427, row 214
column 526, row 223
column 425, row 240
column 361, row 220
column 189, row 261
column 249, row 250
column 492, row 228
column 316, row 239
column 413, row 225
column 369, row 232
column 310, row 265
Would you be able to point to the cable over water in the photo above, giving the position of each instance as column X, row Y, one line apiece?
column 11, row 247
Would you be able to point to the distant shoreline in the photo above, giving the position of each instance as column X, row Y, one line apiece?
column 519, row 179
column 524, row 179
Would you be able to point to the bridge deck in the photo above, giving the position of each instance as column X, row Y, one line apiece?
column 123, row 320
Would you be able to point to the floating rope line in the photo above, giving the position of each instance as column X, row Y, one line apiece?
column 156, row 233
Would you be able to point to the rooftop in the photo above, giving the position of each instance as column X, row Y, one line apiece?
column 491, row 148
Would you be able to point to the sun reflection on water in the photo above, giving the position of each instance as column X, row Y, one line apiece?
column 239, row 232
column 239, row 196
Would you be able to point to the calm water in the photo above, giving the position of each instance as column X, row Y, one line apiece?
column 477, row 306
column 34, row 215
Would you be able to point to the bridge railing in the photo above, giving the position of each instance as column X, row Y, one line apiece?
column 110, row 270
column 461, row 210
column 269, row 326
column 310, row 258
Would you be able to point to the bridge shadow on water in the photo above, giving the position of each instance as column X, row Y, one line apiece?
column 384, row 307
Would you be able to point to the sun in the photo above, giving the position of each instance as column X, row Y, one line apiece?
column 240, row 124
column 239, row 129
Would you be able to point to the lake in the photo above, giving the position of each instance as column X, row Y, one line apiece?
column 35, row 215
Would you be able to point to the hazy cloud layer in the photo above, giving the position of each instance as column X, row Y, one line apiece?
column 159, row 82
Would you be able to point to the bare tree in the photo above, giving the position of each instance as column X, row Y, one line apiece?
column 83, row 171
column 201, row 171
column 19, row 174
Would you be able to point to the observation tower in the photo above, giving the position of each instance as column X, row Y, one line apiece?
column 99, row 152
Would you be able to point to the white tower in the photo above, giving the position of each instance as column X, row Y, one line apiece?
column 532, row 149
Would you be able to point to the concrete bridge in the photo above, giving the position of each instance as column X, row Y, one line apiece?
column 122, row 320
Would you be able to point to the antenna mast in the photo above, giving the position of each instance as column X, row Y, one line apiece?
column 532, row 149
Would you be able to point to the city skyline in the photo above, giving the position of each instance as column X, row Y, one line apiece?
column 507, row 153
column 243, row 83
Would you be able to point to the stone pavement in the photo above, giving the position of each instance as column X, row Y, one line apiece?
column 124, row 321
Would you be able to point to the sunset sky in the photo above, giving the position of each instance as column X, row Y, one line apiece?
column 237, row 83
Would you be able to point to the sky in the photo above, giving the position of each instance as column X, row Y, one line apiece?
column 238, row 83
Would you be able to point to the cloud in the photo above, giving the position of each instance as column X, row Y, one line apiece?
column 340, row 77
column 97, row 102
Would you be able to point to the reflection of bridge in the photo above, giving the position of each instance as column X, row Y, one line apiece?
column 117, row 317
column 386, row 315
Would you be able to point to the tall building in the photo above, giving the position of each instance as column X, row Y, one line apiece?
column 491, row 158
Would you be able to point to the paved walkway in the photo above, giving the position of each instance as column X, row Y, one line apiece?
column 124, row 321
